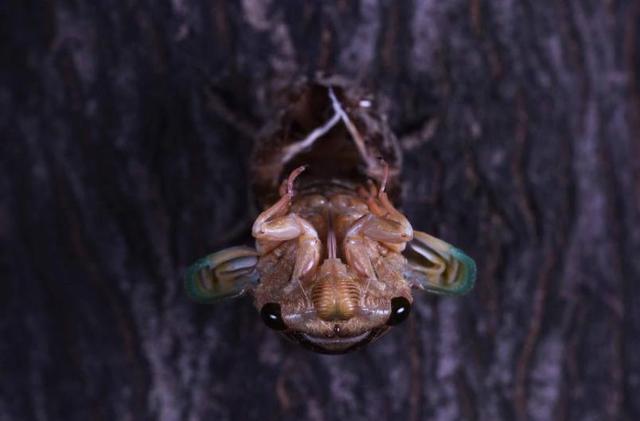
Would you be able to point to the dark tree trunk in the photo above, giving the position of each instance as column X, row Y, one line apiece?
column 126, row 132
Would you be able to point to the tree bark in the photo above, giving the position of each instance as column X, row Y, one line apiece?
column 127, row 129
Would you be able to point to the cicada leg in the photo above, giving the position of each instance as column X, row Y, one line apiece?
column 393, row 233
column 225, row 274
column 438, row 267
column 277, row 224
column 384, row 223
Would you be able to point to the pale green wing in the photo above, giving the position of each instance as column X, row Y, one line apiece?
column 225, row 274
column 438, row 267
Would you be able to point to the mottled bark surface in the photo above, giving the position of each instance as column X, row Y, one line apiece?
column 126, row 129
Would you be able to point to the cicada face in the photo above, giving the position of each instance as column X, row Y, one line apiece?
column 334, row 262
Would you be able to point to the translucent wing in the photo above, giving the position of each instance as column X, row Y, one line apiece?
column 225, row 274
column 438, row 267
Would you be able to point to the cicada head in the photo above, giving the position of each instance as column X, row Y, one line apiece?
column 336, row 311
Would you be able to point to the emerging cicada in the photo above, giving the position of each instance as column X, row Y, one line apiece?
column 335, row 261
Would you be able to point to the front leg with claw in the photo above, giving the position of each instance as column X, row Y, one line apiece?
column 276, row 225
column 383, row 223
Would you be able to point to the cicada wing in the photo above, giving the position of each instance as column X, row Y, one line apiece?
column 225, row 274
column 438, row 267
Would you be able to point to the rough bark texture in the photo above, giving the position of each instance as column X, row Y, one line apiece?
column 126, row 130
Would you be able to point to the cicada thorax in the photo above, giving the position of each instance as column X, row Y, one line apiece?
column 336, row 131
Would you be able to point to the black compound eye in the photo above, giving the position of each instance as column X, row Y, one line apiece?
column 400, row 309
column 272, row 317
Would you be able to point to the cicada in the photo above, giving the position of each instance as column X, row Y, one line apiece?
column 335, row 261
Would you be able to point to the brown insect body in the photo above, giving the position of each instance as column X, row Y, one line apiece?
column 333, row 303
column 334, row 261
column 334, row 308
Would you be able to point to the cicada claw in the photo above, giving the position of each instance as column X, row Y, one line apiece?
column 225, row 274
column 438, row 267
